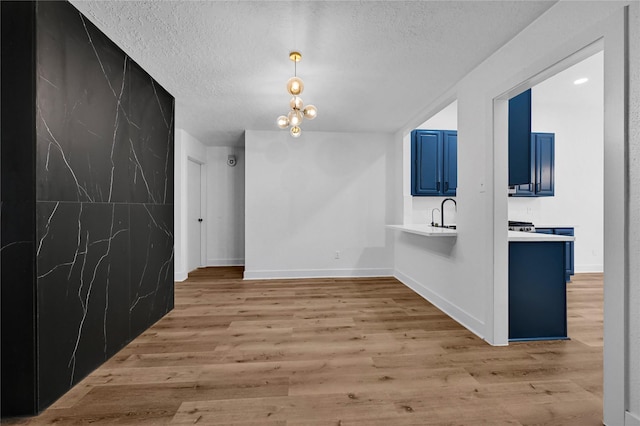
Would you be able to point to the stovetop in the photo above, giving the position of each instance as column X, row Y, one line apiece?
column 515, row 225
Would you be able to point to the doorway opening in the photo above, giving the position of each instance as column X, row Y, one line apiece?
column 569, row 106
column 194, row 215
column 615, row 362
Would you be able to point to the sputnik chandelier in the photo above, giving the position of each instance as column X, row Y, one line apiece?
column 295, row 86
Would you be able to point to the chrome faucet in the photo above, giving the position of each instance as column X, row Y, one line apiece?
column 432, row 222
column 442, row 209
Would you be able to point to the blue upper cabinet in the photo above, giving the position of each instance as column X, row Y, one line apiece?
column 544, row 163
column 426, row 162
column 434, row 162
column 519, row 134
column 541, row 168
column 450, row 162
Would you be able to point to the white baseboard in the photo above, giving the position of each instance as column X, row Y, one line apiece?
column 225, row 262
column 469, row 322
column 631, row 419
column 180, row 276
column 318, row 273
column 586, row 269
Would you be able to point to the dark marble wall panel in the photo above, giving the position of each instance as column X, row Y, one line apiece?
column 151, row 264
column 82, row 102
column 151, row 122
column 83, row 282
column 18, row 308
column 17, row 201
column 96, row 249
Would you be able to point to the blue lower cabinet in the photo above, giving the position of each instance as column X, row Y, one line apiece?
column 537, row 295
column 569, row 251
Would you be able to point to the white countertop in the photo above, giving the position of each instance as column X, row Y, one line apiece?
column 532, row 237
column 426, row 230
column 514, row 236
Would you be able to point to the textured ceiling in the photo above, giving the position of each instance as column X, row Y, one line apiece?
column 369, row 66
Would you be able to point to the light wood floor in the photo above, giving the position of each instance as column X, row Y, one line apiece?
column 337, row 352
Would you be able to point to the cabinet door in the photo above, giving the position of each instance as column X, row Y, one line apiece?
column 450, row 164
column 569, row 256
column 426, row 164
column 519, row 136
column 570, row 259
column 528, row 189
column 544, row 163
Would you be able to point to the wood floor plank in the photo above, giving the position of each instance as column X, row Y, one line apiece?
column 352, row 351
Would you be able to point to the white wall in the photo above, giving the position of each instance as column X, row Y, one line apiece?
column 634, row 218
column 225, row 207
column 419, row 209
column 186, row 146
column 575, row 114
column 311, row 197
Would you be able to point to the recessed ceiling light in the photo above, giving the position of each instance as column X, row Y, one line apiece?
column 581, row 81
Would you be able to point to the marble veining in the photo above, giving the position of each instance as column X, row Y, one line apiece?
column 138, row 166
column 47, row 228
column 106, row 309
column 85, row 302
column 159, row 104
column 80, row 189
column 169, row 155
column 13, row 243
column 72, row 361
column 115, row 126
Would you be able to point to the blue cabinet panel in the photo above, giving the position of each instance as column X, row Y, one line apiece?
column 434, row 159
column 541, row 169
column 569, row 248
column 544, row 163
column 428, row 148
column 519, row 134
column 450, row 163
column 537, row 295
column 528, row 189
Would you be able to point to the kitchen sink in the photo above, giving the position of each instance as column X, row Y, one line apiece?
column 446, row 226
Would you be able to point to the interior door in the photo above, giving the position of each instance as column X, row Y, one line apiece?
column 194, row 214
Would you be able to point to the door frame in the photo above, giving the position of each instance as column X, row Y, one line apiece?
column 612, row 37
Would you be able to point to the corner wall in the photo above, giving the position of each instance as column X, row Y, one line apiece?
column 317, row 206
column 186, row 147
column 103, row 230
